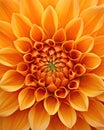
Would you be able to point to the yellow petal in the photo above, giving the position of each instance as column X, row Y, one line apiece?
column 21, row 25
column 9, row 57
column 12, row 81
column 49, row 21
column 26, row 98
column 32, row 9
column 74, row 29
column 67, row 115
column 17, row 121
column 38, row 117
column 8, row 103
column 51, row 105
column 8, row 7
column 95, row 114
column 92, row 85
column 96, row 17
column 63, row 8
column 101, row 97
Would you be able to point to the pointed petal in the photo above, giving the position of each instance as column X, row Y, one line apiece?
column 8, row 103
column 17, row 121
column 9, row 57
column 39, row 119
column 68, row 119
column 95, row 108
column 49, row 21
column 32, row 9
column 12, row 81
column 92, row 85
column 21, row 25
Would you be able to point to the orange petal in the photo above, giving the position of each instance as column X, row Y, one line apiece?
column 28, row 58
column 49, row 21
column 38, row 117
column 7, row 8
column 100, row 2
column 51, row 105
column 32, row 9
column 30, row 80
column 17, row 121
column 73, row 84
column 9, row 57
column 21, row 25
column 74, row 29
column 101, row 97
column 95, row 114
column 11, row 81
column 6, row 35
column 23, row 45
column 68, row 119
column 26, row 98
column 85, row 43
column 96, row 17
column 8, row 103
column 92, row 85
column 62, row 92
column 63, row 8
column 91, row 60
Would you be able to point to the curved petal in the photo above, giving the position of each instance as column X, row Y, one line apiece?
column 68, row 119
column 12, row 81
column 91, row 84
column 9, row 57
column 32, row 9
column 7, row 8
column 101, row 97
column 17, row 121
column 49, row 21
column 8, row 103
column 95, row 114
column 21, row 25
column 38, row 117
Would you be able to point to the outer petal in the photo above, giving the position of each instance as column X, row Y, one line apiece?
column 101, row 97
column 38, row 117
column 49, row 21
column 92, row 85
column 95, row 114
column 17, row 121
column 21, row 25
column 12, row 81
column 8, row 103
column 32, row 9
column 68, row 119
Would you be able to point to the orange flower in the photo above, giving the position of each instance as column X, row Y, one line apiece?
column 51, row 65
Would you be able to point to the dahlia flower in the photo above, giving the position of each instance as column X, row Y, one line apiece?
column 51, row 64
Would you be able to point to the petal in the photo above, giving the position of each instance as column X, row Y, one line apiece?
column 95, row 114
column 8, row 103
column 63, row 8
column 101, row 97
column 6, row 35
column 8, row 7
column 21, row 25
column 51, row 105
column 68, row 119
column 81, row 104
column 96, row 17
column 26, row 98
column 12, row 81
column 100, row 2
column 49, row 21
column 38, row 117
column 17, row 121
column 9, row 57
column 32, row 9
column 92, row 85
column 74, row 29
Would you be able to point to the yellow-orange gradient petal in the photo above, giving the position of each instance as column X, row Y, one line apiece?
column 8, row 103
column 11, row 81
column 91, row 84
column 38, row 117
column 17, row 121
column 95, row 114
column 67, row 115
column 101, row 97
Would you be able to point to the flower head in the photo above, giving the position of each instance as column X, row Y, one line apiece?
column 52, row 65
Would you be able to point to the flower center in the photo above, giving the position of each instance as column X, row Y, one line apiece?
column 51, row 65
